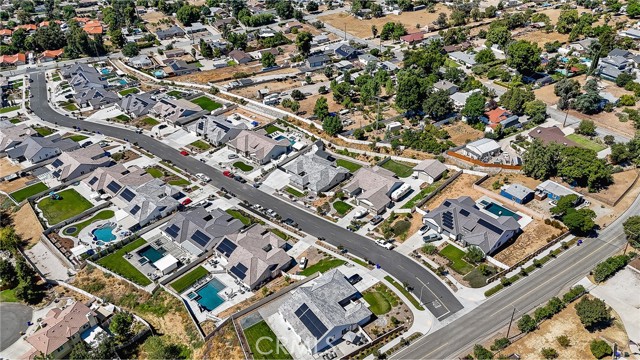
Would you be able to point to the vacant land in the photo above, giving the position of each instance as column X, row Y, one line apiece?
column 534, row 236
column 223, row 345
column 119, row 265
column 541, row 37
column 502, row 179
column 260, row 331
column 189, row 279
column 622, row 181
column 27, row 225
column 226, row 74
column 462, row 186
column 460, row 133
column 15, row 185
column 70, row 204
column 7, row 167
column 31, row 190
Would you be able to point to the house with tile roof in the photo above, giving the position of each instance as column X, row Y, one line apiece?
column 12, row 135
column 109, row 180
column 13, row 60
column 258, row 147
column 499, row 116
column 176, row 111
column 372, row 187
column 51, row 55
column 93, row 27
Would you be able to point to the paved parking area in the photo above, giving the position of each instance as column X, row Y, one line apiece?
column 13, row 321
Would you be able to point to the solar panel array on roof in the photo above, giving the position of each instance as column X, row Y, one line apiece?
column 93, row 180
column 200, row 238
column 173, row 230
column 240, row 271
column 128, row 195
column 57, row 163
column 114, row 187
column 226, row 247
column 311, row 321
column 464, row 212
column 490, row 226
column 135, row 210
column 447, row 219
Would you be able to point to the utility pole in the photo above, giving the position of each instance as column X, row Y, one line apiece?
column 511, row 321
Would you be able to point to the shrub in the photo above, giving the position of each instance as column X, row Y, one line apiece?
column 609, row 267
column 542, row 313
column 481, row 353
column 600, row 348
column 475, row 254
column 549, row 353
column 593, row 312
column 564, row 341
column 429, row 249
column 500, row 344
column 526, row 324
column 573, row 293
column 555, row 305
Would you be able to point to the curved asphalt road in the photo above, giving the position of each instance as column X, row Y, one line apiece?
column 13, row 320
column 437, row 297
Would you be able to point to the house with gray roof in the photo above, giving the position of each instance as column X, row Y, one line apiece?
column 462, row 221
column 179, row 67
column 312, row 172
column 346, row 52
column 254, row 256
column 37, row 149
column 72, row 164
column 447, row 86
column 372, row 187
column 463, row 58
column 145, row 203
column 258, row 147
column 517, row 192
column 199, row 230
column 12, row 135
column 136, row 105
column 176, row 111
column 317, row 61
column 95, row 98
column 325, row 311
column 430, row 170
column 174, row 31
column 217, row 130
column 482, row 149
column 141, row 61
column 109, row 180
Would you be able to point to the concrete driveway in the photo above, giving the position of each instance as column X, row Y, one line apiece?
column 13, row 321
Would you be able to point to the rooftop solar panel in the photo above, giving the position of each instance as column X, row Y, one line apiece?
column 172, row 230
column 226, row 247
column 135, row 210
column 241, row 274
column 93, row 180
column 114, row 187
column 128, row 195
column 200, row 238
column 311, row 321
column 57, row 163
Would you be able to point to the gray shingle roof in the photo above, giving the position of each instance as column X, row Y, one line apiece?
column 314, row 172
column 431, row 167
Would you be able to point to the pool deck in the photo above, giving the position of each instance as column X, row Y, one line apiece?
column 147, row 268
column 524, row 218
column 85, row 237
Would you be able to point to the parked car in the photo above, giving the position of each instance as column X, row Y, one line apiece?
column 376, row 220
column 232, row 156
column 184, row 153
column 290, row 222
column 385, row 244
column 203, row 177
column 186, row 201
column 424, row 229
column 431, row 237
column 354, row 279
column 227, row 173
column 162, row 126
column 303, row 263
column 239, row 178
column 360, row 213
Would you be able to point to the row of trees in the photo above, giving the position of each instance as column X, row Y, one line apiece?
column 17, row 275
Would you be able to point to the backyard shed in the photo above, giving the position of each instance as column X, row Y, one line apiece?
column 518, row 193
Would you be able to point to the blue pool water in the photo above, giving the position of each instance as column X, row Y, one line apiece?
column 104, row 233
column 159, row 74
column 122, row 81
column 500, row 210
column 152, row 253
column 282, row 137
column 105, row 71
column 209, row 298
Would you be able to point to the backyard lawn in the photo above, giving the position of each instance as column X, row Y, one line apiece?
column 342, row 207
column 206, row 103
column 175, row 93
column 102, row 215
column 294, row 192
column 8, row 295
column 242, row 166
column 199, row 144
column 150, row 121
column 456, row 261
column 179, row 182
column 78, row 138
column 380, row 299
column 119, row 265
column 71, row 204
column 586, row 143
column 270, row 129
column 400, row 169
column 421, row 195
column 28, row 191
column 322, row 266
column 43, row 130
column 9, row 108
column 129, row 91
column 404, row 292
column 155, row 172
column 262, row 348
column 189, row 279
column 70, row 107
column 238, row 215
column 351, row 166
column 15, row 120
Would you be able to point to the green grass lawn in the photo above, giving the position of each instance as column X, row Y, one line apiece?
column 419, row 196
column 8, row 295
column 351, row 166
column 56, row 77
column 199, row 144
column 586, row 143
column 126, row 92
column 270, row 129
column 189, row 279
column 150, row 121
column 450, row 63
column 122, row 118
column 206, row 103
column 155, row 172
column 405, row 292
column 43, row 130
column 342, row 207
column 175, row 169
column 476, row 279
column 238, row 215
column 279, row 233
column 380, row 299
column 70, row 107
column 400, row 169
column 17, row 85
column 15, row 120
column 175, row 93
column 28, row 191
column 179, row 182
column 102, row 215
column 119, row 265
column 71, row 204
column 401, row 227
column 197, row 64
column 455, row 256
column 242, row 166
column 322, row 266
column 9, row 108
column 262, row 340
column 294, row 192
column 77, row 138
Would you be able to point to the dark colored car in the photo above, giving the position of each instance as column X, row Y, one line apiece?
column 376, row 220
column 240, row 179
column 354, row 279
column 290, row 222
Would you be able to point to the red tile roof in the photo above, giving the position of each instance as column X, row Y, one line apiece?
column 497, row 115
column 54, row 54
column 28, row 27
column 93, row 27
column 411, row 38
column 12, row 59
column 6, row 32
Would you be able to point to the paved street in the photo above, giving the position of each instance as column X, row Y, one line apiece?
column 13, row 321
column 438, row 299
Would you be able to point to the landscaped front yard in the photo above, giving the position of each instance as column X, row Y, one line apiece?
column 242, row 166
column 400, row 169
column 586, row 143
column 9, row 108
column 264, row 343
column 70, row 107
column 199, row 144
column 78, row 138
column 43, row 130
column 70, row 204
column 322, row 266
column 342, row 207
column 119, row 265
column 28, row 191
column 150, row 121
column 294, row 192
column 351, row 166
column 380, row 299
column 189, row 279
column 206, row 103
column 155, row 172
column 240, row 216
column 456, row 259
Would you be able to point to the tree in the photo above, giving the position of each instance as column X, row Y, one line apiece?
column 332, row 125
column 80, row 351
column 117, row 38
column 564, row 341
column 624, row 78
column 295, row 106
column 284, row 9
column 374, row 31
column 475, row 254
column 633, row 8
column 205, row 50
column 130, row 50
column 481, row 353
column 485, row 56
column 593, row 312
column 458, row 18
column 549, row 353
column 19, row 39
column 500, row 343
column 441, row 21
column 298, row 95
column 627, row 100
column 8, row 275
column 600, row 348
column 515, row 99
column 583, row 167
column 358, row 134
column 498, row 34
column 536, row 110
column 9, row 240
column 564, row 203
column 609, row 139
column 631, row 228
column 567, row 88
column 188, row 14
column 312, row 6
column 438, row 105
column 586, row 127
column 588, row 103
column 474, row 107
column 566, row 20
column 524, row 56
column 303, row 42
column 526, row 324
column 120, row 325
column 268, row 59
column 411, row 90
column 321, row 108
column 393, row 31
column 158, row 349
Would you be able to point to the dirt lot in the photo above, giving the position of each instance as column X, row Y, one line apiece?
column 567, row 323
column 533, row 237
column 462, row 186
column 222, row 346
column 461, row 133
column 152, row 20
column 27, row 225
column 273, row 87
column 215, row 75
column 541, row 37
column 7, row 168
column 362, row 28
column 11, row 186
column 521, row 179
column 310, row 102
column 622, row 181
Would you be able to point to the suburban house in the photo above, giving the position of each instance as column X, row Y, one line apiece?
column 617, row 62
column 179, row 67
column 555, row 191
column 176, row 111
column 447, row 86
column 412, row 39
column 199, row 230
column 460, row 98
column 37, row 149
column 549, row 135
column 95, row 97
column 499, row 116
column 580, row 46
column 518, row 193
column 430, row 170
column 13, row 60
column 631, row 33
column 317, row 61
column 85, row 77
column 72, row 164
column 141, row 62
column 145, row 203
column 12, row 135
column 64, row 328
column 314, row 172
column 254, row 256
column 195, row 27
column 325, row 311
column 174, row 31
column 483, row 149
column 218, row 130
column 365, row 59
column 319, row 39
column 136, row 105
column 240, row 57
column 175, row 53
column 463, row 58
column 258, row 147
column 372, row 187
column 462, row 221
column 110, row 180
column 346, row 52
column 51, row 55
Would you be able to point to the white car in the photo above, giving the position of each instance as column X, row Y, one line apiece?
column 203, row 177
column 360, row 213
column 303, row 263
column 385, row 244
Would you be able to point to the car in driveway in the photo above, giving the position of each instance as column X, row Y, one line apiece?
column 376, row 220
column 431, row 237
column 354, row 279
column 303, row 263
column 385, row 244
column 290, row 222
column 232, row 156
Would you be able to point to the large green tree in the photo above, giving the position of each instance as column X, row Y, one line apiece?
column 188, row 14
column 515, row 99
column 438, row 105
column 524, row 56
column 303, row 42
column 536, row 110
column 593, row 312
column 498, row 34
column 474, row 107
column 632, row 230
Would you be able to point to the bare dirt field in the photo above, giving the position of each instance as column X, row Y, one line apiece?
column 533, row 237
column 152, row 20
column 521, row 179
column 620, row 207
column 222, row 346
column 621, row 182
column 27, row 225
column 7, row 167
column 362, row 28
column 310, row 102
column 251, row 92
column 11, row 186
column 462, row 186
column 461, row 133
column 541, row 37
column 567, row 323
column 215, row 75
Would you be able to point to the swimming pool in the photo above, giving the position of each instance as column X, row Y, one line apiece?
column 209, row 298
column 499, row 210
column 104, row 233
column 152, row 253
column 159, row 74
column 282, row 137
column 105, row 71
column 122, row 81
